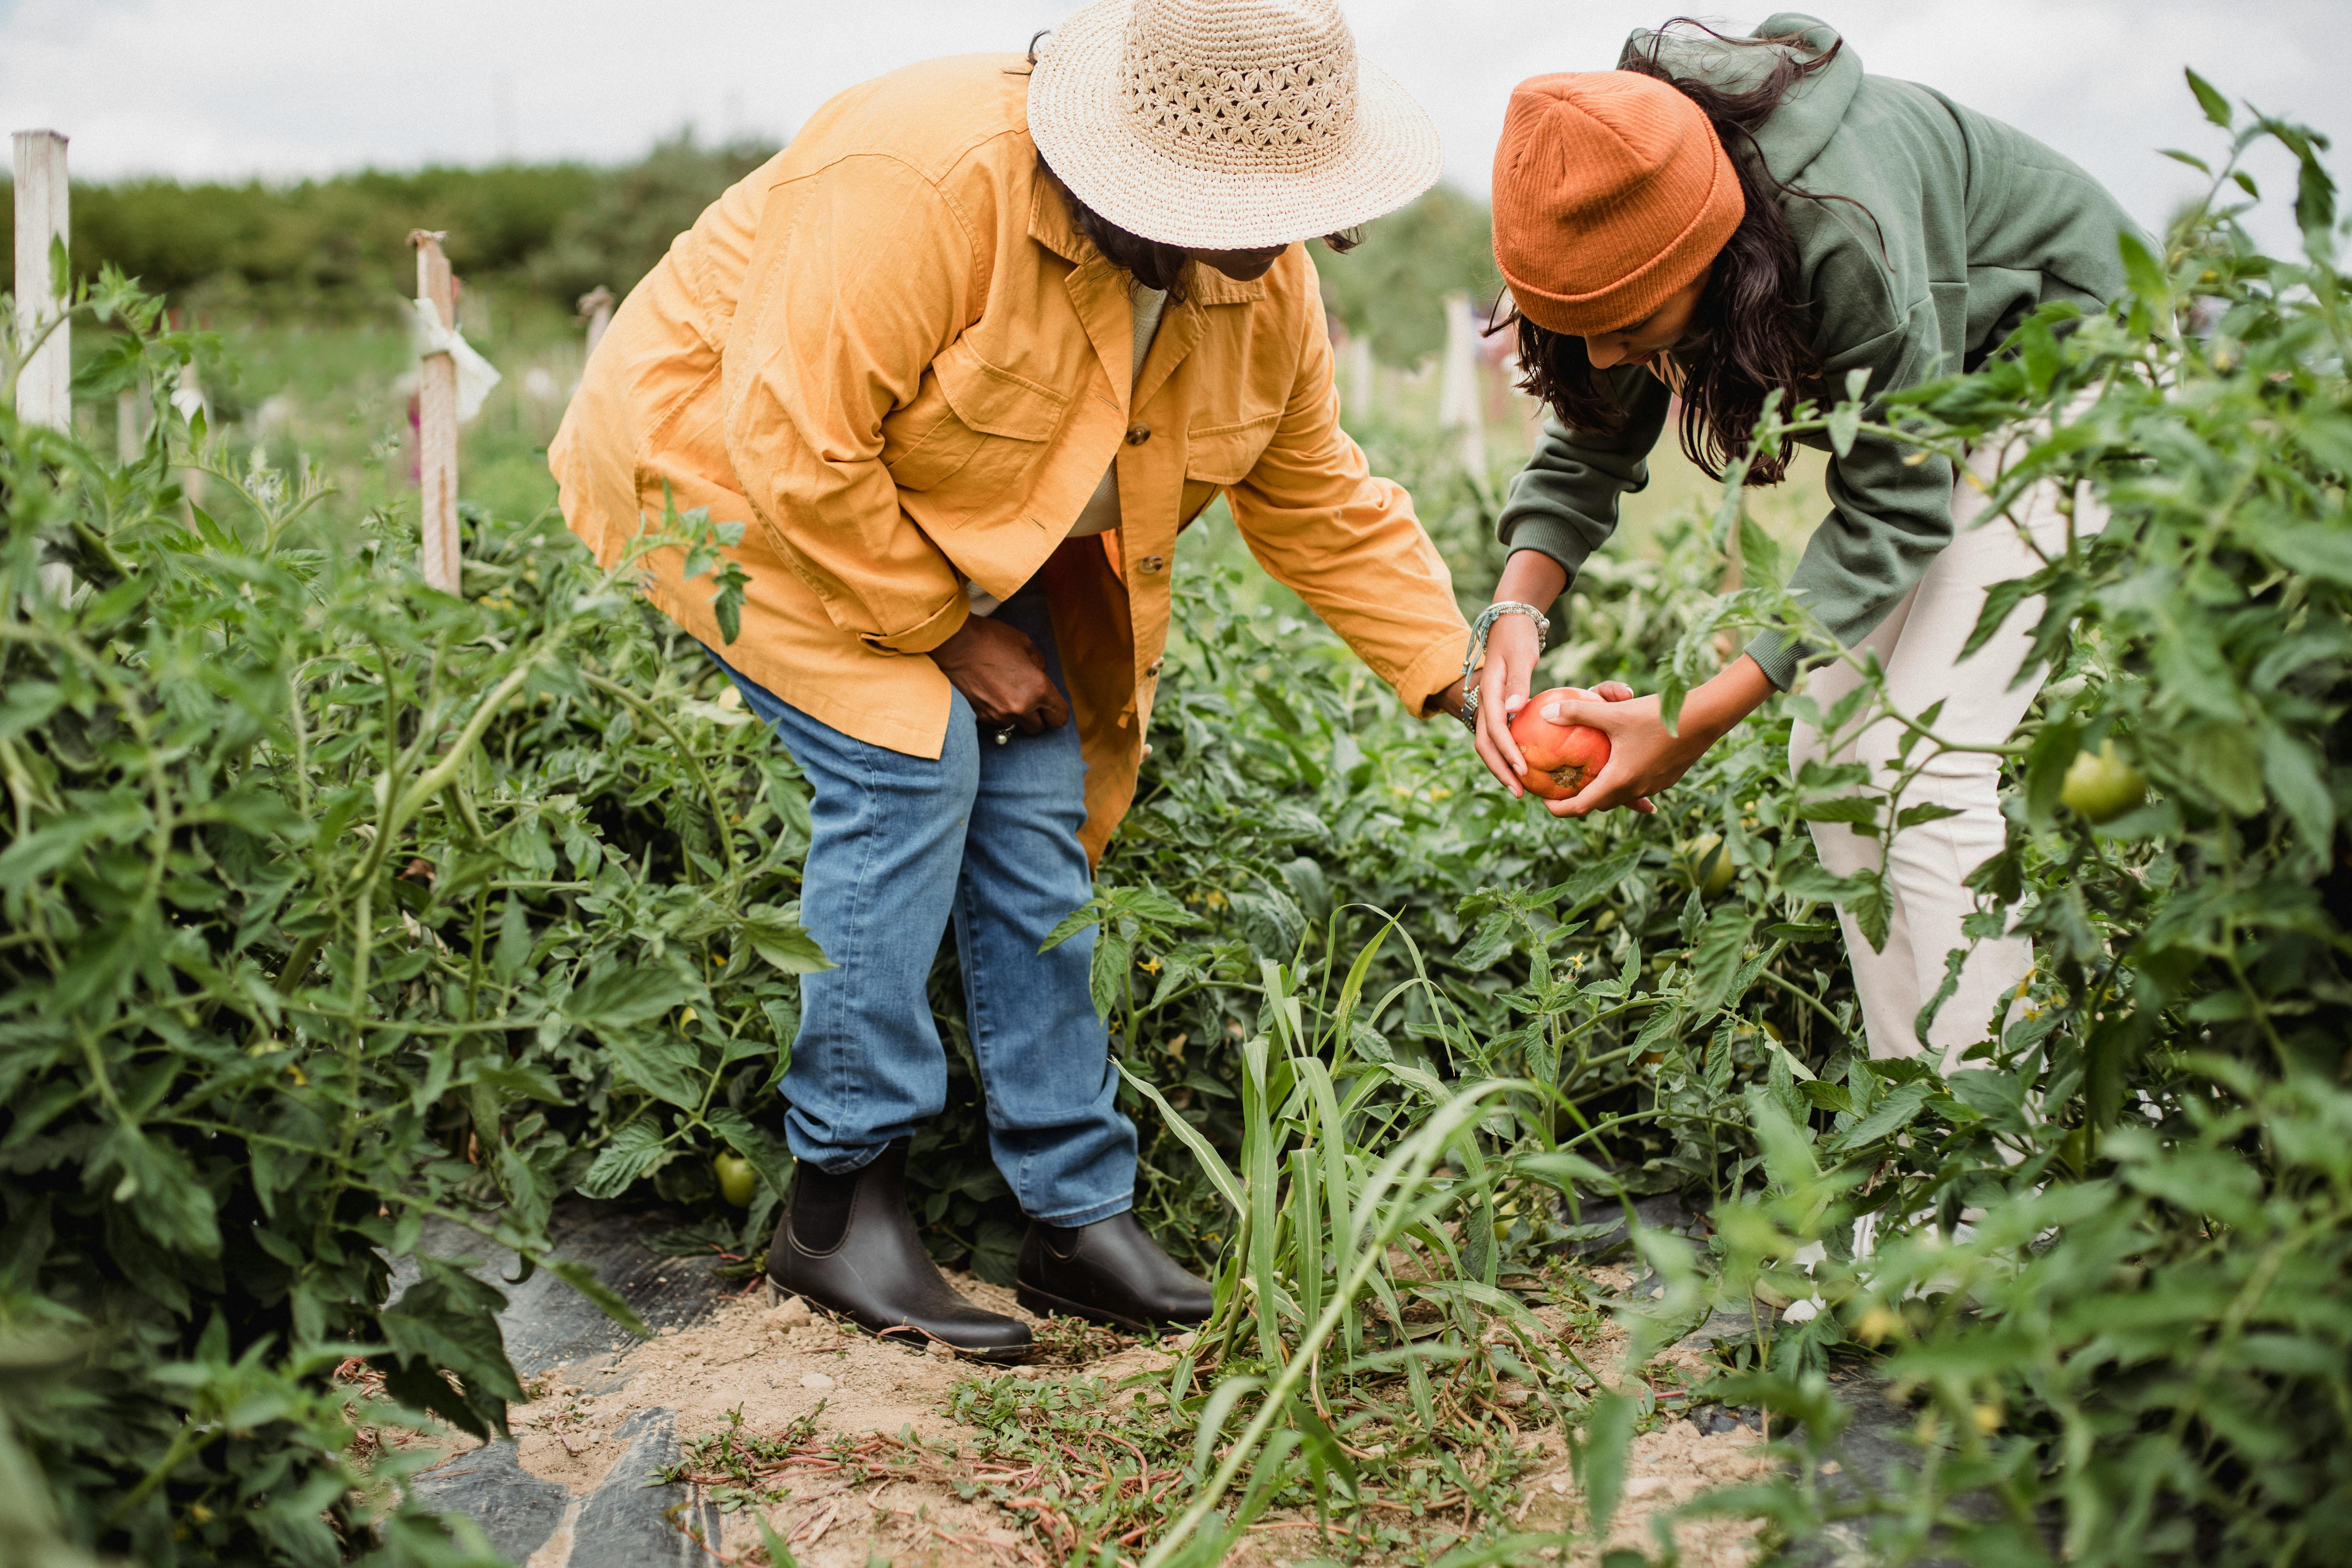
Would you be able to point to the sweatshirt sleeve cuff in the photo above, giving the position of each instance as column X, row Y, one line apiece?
column 924, row 634
column 1549, row 536
column 1779, row 654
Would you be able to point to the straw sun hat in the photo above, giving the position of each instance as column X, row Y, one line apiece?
column 1226, row 124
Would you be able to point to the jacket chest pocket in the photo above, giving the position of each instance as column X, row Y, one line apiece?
column 973, row 428
column 1218, row 455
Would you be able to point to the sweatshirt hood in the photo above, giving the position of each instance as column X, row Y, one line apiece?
column 1795, row 133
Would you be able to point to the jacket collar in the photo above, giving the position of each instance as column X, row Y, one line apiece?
column 1050, row 225
column 1098, row 292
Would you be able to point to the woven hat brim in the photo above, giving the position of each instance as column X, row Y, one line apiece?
column 1081, row 120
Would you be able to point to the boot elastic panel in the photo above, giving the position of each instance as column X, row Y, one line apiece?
column 820, row 1206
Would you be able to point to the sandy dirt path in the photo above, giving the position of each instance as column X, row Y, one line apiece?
column 866, row 1460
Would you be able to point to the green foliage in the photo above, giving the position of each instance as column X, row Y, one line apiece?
column 1388, row 286
column 1294, row 809
column 331, row 903
column 2108, row 1250
column 30, row 1535
column 465, row 904
column 2112, row 1247
column 334, row 904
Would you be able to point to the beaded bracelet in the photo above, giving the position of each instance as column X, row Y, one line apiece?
column 1478, row 630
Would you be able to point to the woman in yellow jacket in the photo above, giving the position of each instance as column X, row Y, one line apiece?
column 964, row 359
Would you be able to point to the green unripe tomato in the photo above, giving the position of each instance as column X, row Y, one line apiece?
column 1709, row 876
column 739, row 1179
column 2101, row 786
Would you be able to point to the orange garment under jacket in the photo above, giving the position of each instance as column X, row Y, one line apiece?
column 891, row 353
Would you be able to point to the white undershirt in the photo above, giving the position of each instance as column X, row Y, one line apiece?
column 1100, row 514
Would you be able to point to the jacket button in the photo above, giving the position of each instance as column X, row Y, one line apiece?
column 1137, row 435
column 1151, row 562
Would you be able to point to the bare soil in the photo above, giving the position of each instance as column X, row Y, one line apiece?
column 883, row 1470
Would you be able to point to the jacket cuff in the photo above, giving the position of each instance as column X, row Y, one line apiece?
column 925, row 635
column 1432, row 673
column 1779, row 654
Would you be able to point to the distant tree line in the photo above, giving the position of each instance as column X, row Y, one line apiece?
column 339, row 246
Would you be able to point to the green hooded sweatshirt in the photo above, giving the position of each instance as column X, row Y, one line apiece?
column 1969, row 225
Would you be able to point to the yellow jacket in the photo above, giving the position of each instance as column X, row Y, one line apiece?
column 891, row 353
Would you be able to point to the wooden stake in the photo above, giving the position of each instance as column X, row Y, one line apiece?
column 129, row 427
column 45, row 386
column 442, row 559
column 1361, row 387
column 597, row 306
column 188, row 397
column 1459, row 397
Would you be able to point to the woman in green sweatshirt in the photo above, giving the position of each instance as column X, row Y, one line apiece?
column 1722, row 219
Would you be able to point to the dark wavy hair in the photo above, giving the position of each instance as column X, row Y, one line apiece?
column 1753, row 332
column 1150, row 263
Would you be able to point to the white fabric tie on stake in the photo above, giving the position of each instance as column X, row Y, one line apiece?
column 188, row 395
column 475, row 375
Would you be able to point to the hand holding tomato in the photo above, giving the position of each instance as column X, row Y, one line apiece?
column 1560, row 758
column 1643, row 756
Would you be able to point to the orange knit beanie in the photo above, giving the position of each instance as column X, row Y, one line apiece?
column 1610, row 193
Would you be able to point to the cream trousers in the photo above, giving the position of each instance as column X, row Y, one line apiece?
column 1927, row 865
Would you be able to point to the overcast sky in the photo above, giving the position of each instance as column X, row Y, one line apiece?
column 283, row 88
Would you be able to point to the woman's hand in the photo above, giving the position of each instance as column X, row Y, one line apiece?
column 1513, row 643
column 1500, row 735
column 1644, row 756
column 1503, row 682
column 1003, row 676
column 1529, row 577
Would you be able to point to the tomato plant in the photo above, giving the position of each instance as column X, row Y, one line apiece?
column 334, row 904
column 329, row 905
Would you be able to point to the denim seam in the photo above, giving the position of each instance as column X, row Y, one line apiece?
column 978, row 1016
column 842, row 1084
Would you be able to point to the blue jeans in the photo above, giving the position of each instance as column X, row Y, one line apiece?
column 990, row 835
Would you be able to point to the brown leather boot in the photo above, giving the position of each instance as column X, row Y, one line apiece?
column 1110, row 1272
column 847, row 1245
